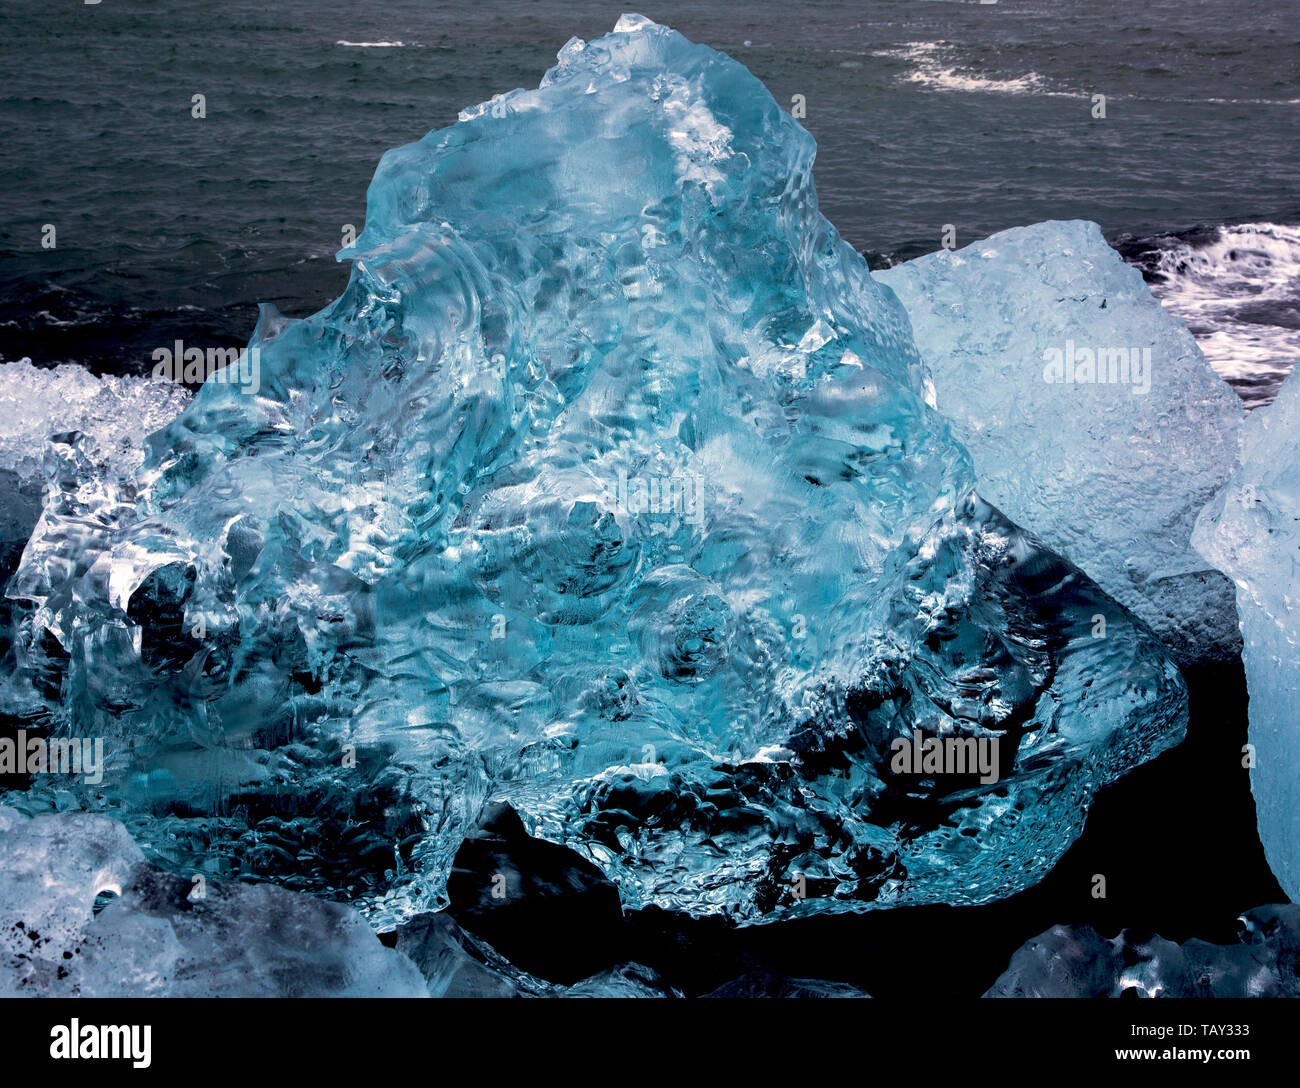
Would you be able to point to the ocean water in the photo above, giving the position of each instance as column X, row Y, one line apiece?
column 927, row 112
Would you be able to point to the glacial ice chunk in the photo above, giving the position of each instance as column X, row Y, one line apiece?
column 1075, row 961
column 626, row 980
column 161, row 935
column 608, row 488
column 457, row 964
column 1251, row 531
column 1091, row 415
column 763, row 984
column 107, row 418
column 117, row 413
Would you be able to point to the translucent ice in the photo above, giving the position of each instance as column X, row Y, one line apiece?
column 607, row 488
column 1091, row 415
column 458, row 964
column 766, row 985
column 116, row 413
column 109, row 418
column 1077, row 962
column 626, row 980
column 166, row 936
column 1251, row 531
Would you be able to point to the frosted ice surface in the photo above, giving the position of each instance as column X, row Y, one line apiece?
column 1091, row 415
column 166, row 936
column 112, row 415
column 116, row 412
column 607, row 488
column 1251, row 531
column 1075, row 961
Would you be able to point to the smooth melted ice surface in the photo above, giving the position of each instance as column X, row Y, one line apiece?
column 608, row 488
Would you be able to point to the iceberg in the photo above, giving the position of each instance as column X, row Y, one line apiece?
column 609, row 488
column 457, row 964
column 1251, row 531
column 112, row 414
column 1091, row 415
column 83, row 915
column 763, row 984
column 115, row 413
column 624, row 981
column 1075, row 961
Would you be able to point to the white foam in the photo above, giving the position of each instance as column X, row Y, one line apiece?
column 1253, row 101
column 1219, row 288
column 934, row 67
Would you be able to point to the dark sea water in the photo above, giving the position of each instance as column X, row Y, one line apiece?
column 926, row 112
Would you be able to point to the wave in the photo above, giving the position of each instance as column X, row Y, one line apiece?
column 1237, row 287
column 371, row 45
column 933, row 66
column 1247, row 101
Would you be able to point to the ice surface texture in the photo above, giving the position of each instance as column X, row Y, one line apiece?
column 765, row 985
column 608, row 488
column 1109, row 461
column 1252, row 532
column 112, row 414
column 165, row 936
column 458, row 964
column 1077, row 962
column 116, row 413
